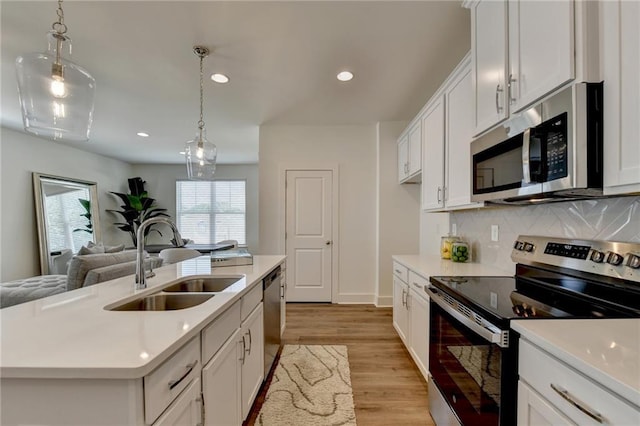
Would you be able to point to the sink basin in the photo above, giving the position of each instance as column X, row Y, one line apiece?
column 209, row 284
column 164, row 302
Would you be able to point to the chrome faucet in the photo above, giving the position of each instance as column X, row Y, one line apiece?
column 141, row 275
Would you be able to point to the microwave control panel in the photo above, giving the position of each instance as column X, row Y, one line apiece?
column 556, row 143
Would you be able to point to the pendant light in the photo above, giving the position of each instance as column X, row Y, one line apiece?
column 199, row 153
column 56, row 95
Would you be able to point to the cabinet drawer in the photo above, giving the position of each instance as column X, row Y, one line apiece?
column 400, row 271
column 215, row 334
column 250, row 301
column 544, row 373
column 418, row 283
column 166, row 382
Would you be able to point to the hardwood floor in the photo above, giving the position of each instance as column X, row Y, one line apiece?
column 388, row 389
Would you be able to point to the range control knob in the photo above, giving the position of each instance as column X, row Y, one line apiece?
column 518, row 245
column 614, row 258
column 633, row 261
column 528, row 247
column 597, row 256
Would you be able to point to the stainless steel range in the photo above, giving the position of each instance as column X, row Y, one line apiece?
column 472, row 351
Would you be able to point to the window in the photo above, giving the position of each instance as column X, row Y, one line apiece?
column 212, row 211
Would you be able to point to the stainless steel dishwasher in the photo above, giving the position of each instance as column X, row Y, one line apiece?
column 271, row 287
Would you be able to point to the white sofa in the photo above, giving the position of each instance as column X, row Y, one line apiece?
column 84, row 270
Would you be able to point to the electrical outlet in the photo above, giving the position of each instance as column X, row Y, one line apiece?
column 494, row 233
column 454, row 229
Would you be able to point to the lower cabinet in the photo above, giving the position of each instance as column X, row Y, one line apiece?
column 186, row 409
column 411, row 314
column 222, row 382
column 534, row 410
column 252, row 358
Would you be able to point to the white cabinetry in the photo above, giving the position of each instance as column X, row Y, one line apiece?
column 447, row 128
column 419, row 322
column 515, row 61
column 410, row 154
column 411, row 314
column 186, row 409
column 551, row 392
column 253, row 358
column 621, row 68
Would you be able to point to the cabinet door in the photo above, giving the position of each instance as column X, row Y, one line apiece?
column 221, row 384
column 540, row 58
column 185, row 410
column 419, row 330
column 621, row 68
column 533, row 410
column 433, row 155
column 459, row 129
column 400, row 311
column 403, row 157
column 253, row 366
column 489, row 59
column 415, row 149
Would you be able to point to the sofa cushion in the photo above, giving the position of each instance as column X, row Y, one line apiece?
column 119, row 270
column 25, row 290
column 81, row 265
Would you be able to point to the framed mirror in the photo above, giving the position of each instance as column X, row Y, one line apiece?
column 68, row 217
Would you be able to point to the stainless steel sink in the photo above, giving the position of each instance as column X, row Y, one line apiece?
column 164, row 302
column 209, row 284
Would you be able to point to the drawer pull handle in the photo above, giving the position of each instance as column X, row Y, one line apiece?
column 577, row 403
column 190, row 367
column 416, row 285
column 398, row 271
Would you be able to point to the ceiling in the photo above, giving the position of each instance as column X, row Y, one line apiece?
column 281, row 57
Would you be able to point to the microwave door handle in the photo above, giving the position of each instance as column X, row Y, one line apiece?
column 526, row 148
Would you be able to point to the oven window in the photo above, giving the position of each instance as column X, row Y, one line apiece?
column 466, row 368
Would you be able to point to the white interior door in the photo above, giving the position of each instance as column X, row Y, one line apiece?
column 309, row 228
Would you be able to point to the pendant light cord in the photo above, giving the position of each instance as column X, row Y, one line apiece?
column 60, row 28
column 201, row 122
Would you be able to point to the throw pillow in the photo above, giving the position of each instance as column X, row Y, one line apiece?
column 114, row 249
column 95, row 249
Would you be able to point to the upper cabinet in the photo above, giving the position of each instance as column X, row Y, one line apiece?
column 447, row 127
column 521, row 51
column 620, row 48
column 410, row 154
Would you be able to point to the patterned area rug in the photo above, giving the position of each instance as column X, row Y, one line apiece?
column 311, row 385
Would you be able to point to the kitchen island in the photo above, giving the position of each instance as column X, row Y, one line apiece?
column 68, row 358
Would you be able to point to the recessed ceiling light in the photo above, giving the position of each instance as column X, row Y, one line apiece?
column 181, row 153
column 219, row 78
column 143, row 134
column 344, row 76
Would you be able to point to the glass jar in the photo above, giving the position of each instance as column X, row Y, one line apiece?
column 445, row 246
column 460, row 251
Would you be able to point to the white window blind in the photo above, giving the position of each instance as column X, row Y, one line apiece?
column 212, row 211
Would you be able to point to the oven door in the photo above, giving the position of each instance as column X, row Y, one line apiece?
column 476, row 378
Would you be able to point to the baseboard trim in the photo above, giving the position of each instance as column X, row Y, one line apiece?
column 384, row 302
column 355, row 298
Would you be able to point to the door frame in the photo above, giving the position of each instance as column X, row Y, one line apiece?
column 335, row 222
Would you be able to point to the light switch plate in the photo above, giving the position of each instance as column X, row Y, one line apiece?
column 494, row 233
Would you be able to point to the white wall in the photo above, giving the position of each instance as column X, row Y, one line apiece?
column 432, row 227
column 398, row 208
column 22, row 155
column 353, row 148
column 161, row 185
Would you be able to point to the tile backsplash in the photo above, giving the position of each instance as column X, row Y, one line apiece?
column 614, row 219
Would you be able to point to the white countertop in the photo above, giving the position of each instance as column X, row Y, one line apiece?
column 71, row 335
column 428, row 266
column 606, row 350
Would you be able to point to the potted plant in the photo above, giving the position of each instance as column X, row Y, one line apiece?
column 137, row 208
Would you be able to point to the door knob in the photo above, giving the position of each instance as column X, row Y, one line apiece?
column 328, row 242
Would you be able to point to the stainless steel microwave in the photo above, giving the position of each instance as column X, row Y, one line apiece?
column 550, row 152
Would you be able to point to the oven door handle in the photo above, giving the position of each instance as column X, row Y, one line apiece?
column 490, row 336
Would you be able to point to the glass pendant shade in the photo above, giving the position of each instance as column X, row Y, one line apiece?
column 201, row 157
column 56, row 95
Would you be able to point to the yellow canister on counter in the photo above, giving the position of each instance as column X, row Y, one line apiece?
column 445, row 246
